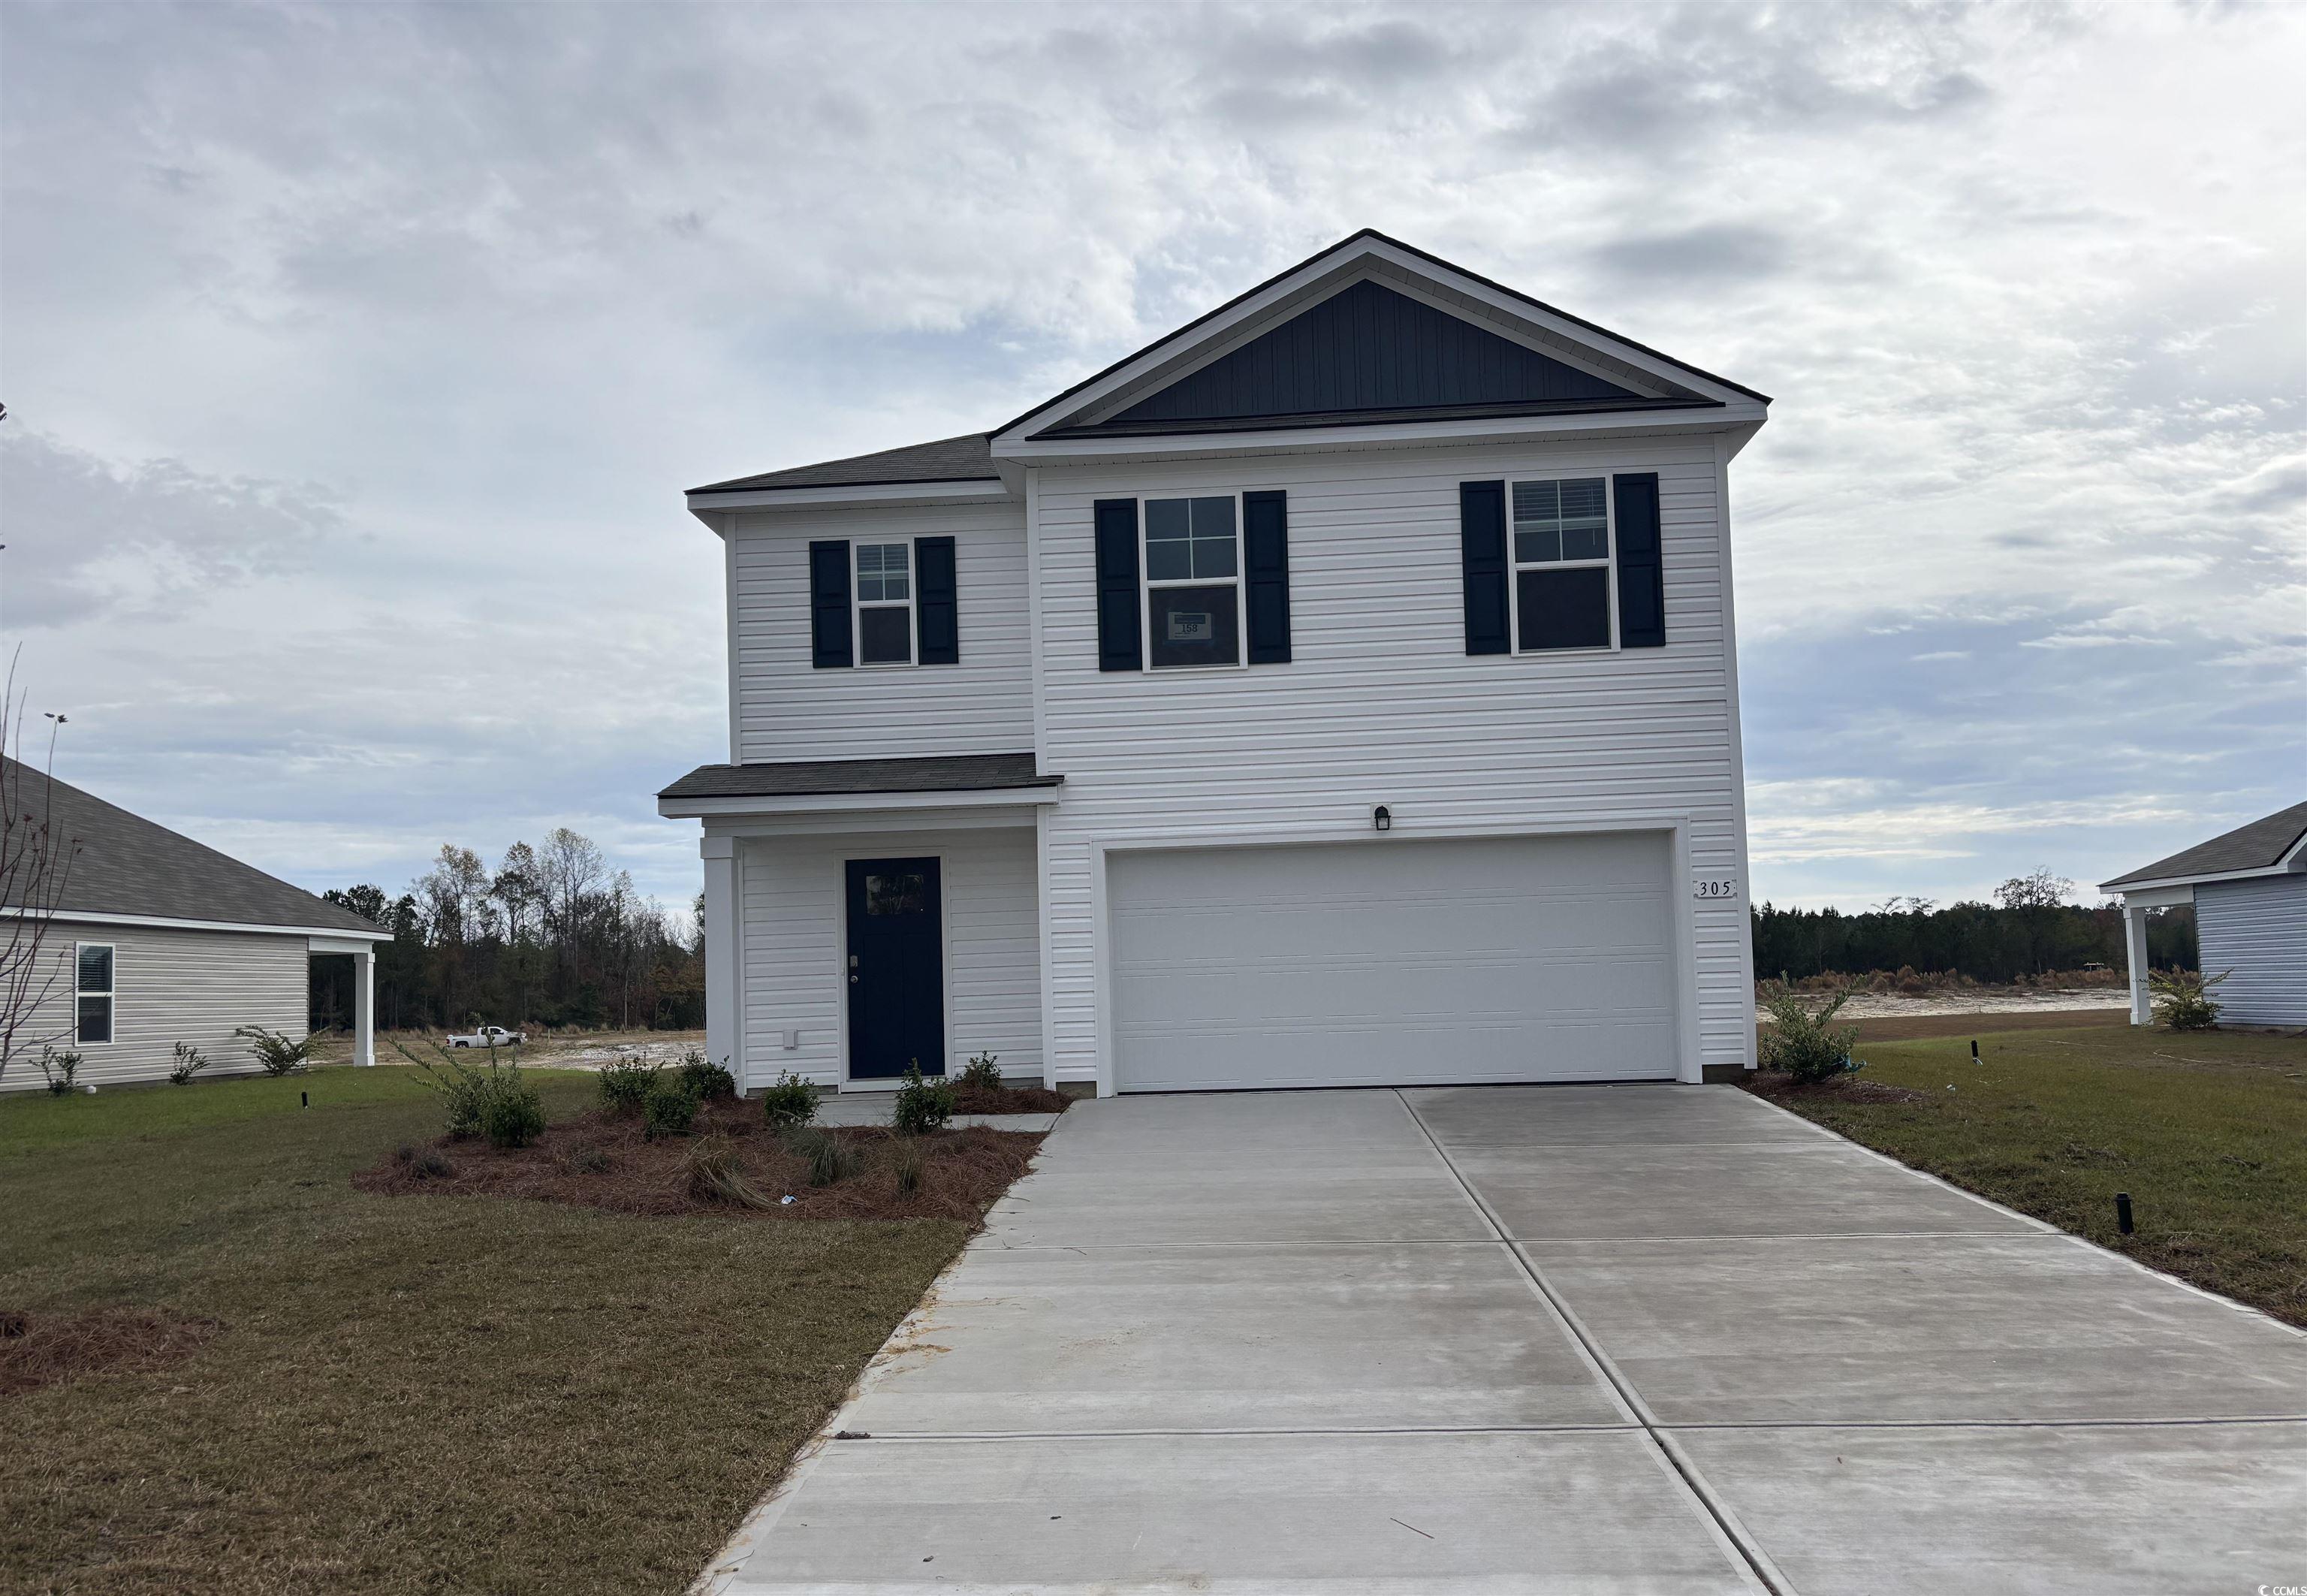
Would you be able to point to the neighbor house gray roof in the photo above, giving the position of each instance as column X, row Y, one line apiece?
column 940, row 773
column 2259, row 846
column 966, row 458
column 126, row 864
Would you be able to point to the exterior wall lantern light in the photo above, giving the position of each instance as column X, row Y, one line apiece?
column 1382, row 818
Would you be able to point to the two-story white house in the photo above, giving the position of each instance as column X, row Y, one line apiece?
column 1340, row 691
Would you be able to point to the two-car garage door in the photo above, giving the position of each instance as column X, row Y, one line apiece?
column 1392, row 962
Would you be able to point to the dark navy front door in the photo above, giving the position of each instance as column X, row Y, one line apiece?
column 896, row 968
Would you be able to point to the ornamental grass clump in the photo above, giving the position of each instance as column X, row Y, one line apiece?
column 710, row 1173
column 1805, row 1045
column 829, row 1158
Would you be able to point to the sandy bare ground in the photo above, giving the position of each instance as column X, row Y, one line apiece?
column 1985, row 1000
column 579, row 1050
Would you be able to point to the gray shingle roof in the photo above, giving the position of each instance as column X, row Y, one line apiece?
column 2258, row 846
column 941, row 773
column 966, row 458
column 130, row 865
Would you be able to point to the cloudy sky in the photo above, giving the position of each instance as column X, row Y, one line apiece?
column 354, row 358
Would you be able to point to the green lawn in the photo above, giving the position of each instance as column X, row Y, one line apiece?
column 413, row 1393
column 2207, row 1132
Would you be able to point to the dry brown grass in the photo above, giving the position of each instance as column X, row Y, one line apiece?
column 47, row 1349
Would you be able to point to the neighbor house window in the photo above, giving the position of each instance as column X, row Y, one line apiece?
column 1562, row 565
column 92, row 979
column 885, row 604
column 1193, row 581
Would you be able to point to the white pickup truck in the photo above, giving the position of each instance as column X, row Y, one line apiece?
column 489, row 1036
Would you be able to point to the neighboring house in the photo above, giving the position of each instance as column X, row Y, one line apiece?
column 1340, row 691
column 158, row 939
column 2249, row 887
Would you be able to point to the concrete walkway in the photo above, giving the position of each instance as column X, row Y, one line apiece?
column 1538, row 1338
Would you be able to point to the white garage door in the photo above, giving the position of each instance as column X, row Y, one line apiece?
column 1392, row 962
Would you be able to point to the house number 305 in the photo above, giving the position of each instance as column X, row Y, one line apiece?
column 1718, row 887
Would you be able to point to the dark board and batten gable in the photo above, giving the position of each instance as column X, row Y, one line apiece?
column 1369, row 349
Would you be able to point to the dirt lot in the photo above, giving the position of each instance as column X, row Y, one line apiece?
column 545, row 1049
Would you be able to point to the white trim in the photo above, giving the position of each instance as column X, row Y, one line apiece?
column 2289, row 865
column 1690, row 1063
column 1501, row 429
column 975, row 490
column 2157, row 897
column 910, row 820
column 690, row 809
column 729, row 638
column 356, row 946
column 110, row 994
column 1042, row 915
column 166, row 922
column 1607, row 564
column 859, row 603
column 1033, row 620
column 1722, row 453
column 1146, row 581
column 1260, row 305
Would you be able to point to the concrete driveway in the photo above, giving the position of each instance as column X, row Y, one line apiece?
column 1539, row 1339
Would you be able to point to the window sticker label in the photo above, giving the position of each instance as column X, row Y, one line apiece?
column 1189, row 626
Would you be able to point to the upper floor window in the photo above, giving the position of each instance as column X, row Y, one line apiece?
column 92, row 990
column 1193, row 581
column 885, row 604
column 1562, row 588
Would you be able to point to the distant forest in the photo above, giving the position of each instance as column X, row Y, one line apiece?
column 550, row 937
column 2029, row 931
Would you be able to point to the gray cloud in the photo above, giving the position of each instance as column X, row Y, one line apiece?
column 497, row 281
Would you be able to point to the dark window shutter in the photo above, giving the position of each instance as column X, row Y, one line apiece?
column 1482, row 546
column 937, row 609
column 1266, row 565
column 829, row 605
column 1118, row 645
column 1641, row 563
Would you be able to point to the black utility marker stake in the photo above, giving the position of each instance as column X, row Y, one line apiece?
column 2122, row 1213
column 1974, row 1051
column 304, row 1100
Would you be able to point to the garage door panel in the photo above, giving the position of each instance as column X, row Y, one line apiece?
column 1476, row 960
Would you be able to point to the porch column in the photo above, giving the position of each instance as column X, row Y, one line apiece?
column 2134, row 946
column 721, row 1004
column 364, row 1005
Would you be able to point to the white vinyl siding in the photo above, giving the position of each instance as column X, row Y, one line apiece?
column 1382, row 705
column 791, row 891
column 2258, row 929
column 168, row 986
column 786, row 710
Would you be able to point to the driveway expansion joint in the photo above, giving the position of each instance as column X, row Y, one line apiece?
column 1758, row 1561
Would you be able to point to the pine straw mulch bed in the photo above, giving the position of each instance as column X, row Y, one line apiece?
column 46, row 1348
column 1008, row 1100
column 601, row 1159
column 1780, row 1086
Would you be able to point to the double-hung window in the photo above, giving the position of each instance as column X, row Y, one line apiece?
column 1193, row 581
column 1562, row 587
column 92, row 991
column 885, row 604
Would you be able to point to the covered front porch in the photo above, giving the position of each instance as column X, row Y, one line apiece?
column 865, row 916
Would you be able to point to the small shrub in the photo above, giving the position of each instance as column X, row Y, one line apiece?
column 713, row 1175
column 923, row 1105
column 982, row 1073
column 829, row 1158
column 792, row 1101
column 58, row 1069
column 493, row 1103
column 625, row 1084
column 425, row 1163
column 1803, row 1046
column 905, row 1163
column 277, row 1052
column 669, row 1109
column 2184, row 1001
column 190, row 1062
column 706, row 1081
